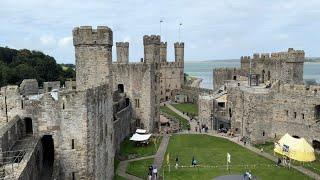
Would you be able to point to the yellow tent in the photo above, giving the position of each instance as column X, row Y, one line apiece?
column 295, row 148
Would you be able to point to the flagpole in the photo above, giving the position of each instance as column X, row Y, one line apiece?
column 179, row 30
column 160, row 26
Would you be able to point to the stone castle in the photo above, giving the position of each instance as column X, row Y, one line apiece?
column 264, row 99
column 74, row 131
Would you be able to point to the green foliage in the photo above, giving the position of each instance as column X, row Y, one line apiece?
column 16, row 65
column 128, row 147
column 139, row 168
column 183, row 122
column 191, row 109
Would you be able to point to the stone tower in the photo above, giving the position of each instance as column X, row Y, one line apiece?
column 122, row 52
column 179, row 59
column 93, row 52
column 293, row 68
column 163, row 52
column 151, row 48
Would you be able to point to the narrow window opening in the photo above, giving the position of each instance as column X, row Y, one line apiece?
column 295, row 114
column 72, row 144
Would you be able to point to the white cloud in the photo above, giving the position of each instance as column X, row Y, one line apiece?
column 64, row 42
column 47, row 40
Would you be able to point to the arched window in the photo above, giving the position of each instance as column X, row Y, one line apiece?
column 120, row 88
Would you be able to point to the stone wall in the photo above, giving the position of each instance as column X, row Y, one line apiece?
column 205, row 104
column 93, row 51
column 123, row 125
column 220, row 75
column 193, row 93
column 284, row 66
column 49, row 86
column 137, row 80
column 122, row 52
column 29, row 86
column 10, row 103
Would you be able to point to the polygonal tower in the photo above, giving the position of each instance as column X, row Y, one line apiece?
column 179, row 53
column 163, row 52
column 122, row 52
column 151, row 48
column 93, row 52
column 179, row 59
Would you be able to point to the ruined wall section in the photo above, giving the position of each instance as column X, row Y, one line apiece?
column 220, row 75
column 93, row 53
column 29, row 86
column 10, row 103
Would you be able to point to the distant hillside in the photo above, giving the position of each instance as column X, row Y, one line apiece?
column 312, row 59
column 16, row 65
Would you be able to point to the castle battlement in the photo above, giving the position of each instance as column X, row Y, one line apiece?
column 163, row 44
column 85, row 35
column 297, row 89
column 244, row 59
column 179, row 45
column 152, row 39
column 122, row 44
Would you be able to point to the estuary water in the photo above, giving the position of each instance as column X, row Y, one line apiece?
column 203, row 69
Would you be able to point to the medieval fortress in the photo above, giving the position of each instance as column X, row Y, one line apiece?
column 264, row 99
column 74, row 131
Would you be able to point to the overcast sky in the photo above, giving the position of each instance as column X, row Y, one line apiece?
column 212, row 29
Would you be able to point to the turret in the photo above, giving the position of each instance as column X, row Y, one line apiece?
column 163, row 52
column 151, row 48
column 179, row 53
column 93, row 53
column 122, row 52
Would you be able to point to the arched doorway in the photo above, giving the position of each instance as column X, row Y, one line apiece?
column 28, row 125
column 48, row 156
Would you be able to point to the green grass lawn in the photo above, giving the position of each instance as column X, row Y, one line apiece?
column 313, row 166
column 212, row 151
column 139, row 168
column 184, row 123
column 187, row 107
column 128, row 147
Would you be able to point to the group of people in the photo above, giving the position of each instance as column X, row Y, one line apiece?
column 285, row 161
column 203, row 128
column 153, row 172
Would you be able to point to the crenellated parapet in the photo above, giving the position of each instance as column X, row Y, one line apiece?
column 122, row 44
column 151, row 48
column 179, row 45
column 152, row 39
column 85, row 35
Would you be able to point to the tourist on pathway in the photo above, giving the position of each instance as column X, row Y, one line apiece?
column 155, row 172
column 177, row 161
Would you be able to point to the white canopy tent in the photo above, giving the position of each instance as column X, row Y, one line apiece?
column 140, row 137
column 141, row 131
